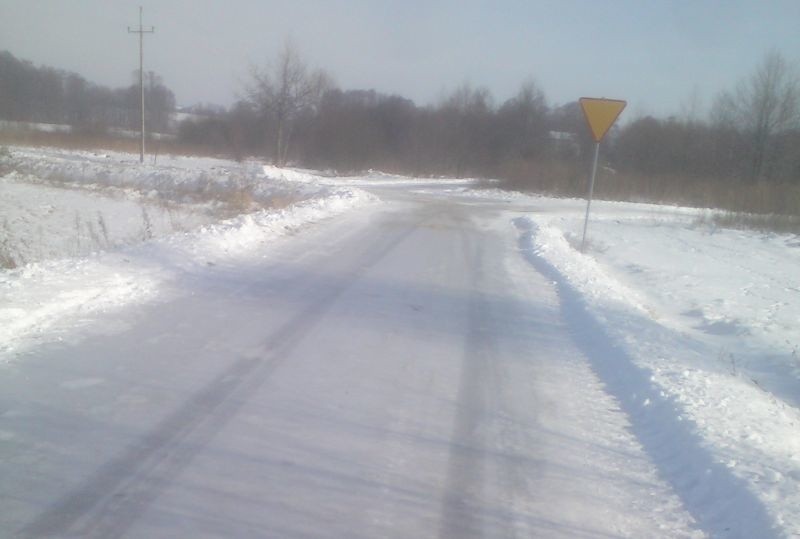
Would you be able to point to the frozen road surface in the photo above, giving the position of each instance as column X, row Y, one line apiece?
column 402, row 370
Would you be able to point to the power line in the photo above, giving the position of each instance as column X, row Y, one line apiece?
column 141, row 31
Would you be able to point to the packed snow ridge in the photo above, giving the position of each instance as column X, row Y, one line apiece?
column 700, row 333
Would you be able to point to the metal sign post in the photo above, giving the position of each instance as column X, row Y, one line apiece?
column 600, row 115
column 591, row 192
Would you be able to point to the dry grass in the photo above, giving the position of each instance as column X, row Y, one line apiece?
column 749, row 221
column 69, row 141
column 8, row 256
column 761, row 198
column 547, row 177
column 100, row 141
column 762, row 206
column 229, row 202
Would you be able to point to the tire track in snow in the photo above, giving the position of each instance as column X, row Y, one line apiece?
column 460, row 515
column 471, row 467
column 111, row 500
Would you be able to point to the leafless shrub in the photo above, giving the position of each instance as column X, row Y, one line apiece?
column 742, row 204
column 147, row 225
column 7, row 258
column 241, row 200
column 78, row 224
column 101, row 222
column 96, row 242
column 277, row 202
column 750, row 221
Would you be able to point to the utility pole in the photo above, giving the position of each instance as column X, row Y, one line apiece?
column 141, row 31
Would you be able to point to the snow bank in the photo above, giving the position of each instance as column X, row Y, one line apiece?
column 131, row 259
column 39, row 222
column 703, row 334
column 41, row 302
column 241, row 235
column 291, row 174
column 173, row 178
column 372, row 178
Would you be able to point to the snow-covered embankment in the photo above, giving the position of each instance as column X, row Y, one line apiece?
column 695, row 330
column 87, row 233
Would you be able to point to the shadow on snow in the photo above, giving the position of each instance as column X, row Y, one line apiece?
column 721, row 503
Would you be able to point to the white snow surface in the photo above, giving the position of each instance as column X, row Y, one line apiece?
column 678, row 389
column 169, row 178
column 86, row 233
column 371, row 178
column 708, row 324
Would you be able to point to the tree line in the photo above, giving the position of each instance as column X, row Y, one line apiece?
column 46, row 95
column 291, row 113
column 752, row 133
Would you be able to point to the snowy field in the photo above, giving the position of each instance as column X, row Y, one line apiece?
column 41, row 222
column 84, row 233
column 694, row 331
column 700, row 326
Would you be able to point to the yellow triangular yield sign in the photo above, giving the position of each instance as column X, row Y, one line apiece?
column 601, row 114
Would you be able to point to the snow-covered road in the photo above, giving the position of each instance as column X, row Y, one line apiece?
column 409, row 369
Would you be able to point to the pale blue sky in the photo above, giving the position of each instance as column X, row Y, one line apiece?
column 655, row 54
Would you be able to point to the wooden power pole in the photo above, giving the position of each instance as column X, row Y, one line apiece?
column 141, row 30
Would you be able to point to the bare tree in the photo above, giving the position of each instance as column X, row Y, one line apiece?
column 763, row 106
column 522, row 123
column 285, row 93
column 467, row 114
